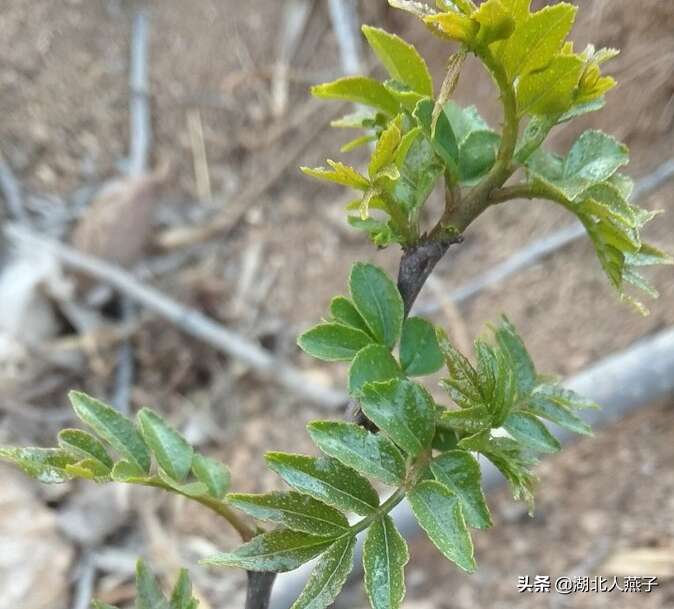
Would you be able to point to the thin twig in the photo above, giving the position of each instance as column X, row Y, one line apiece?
column 200, row 160
column 188, row 320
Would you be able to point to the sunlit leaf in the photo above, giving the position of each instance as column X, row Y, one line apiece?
column 360, row 90
column 333, row 341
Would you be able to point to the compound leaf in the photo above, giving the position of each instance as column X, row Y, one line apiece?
column 47, row 465
column 530, row 431
column 518, row 357
column 212, row 473
column 83, row 445
column 172, row 451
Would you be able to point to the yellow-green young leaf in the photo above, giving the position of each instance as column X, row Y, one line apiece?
column 172, row 451
column 377, row 299
column 91, row 469
column 114, row 428
column 360, row 90
column 496, row 22
column 82, row 445
column 530, row 431
column 125, row 471
column 294, row 510
column 404, row 410
column 357, row 142
column 416, row 8
column 552, row 90
column 419, row 351
column 369, row 454
column 385, row 150
column 277, row 551
column 401, row 60
column 328, row 575
column 326, row 480
column 371, row 364
column 460, row 472
column 537, row 40
column 333, row 342
column 438, row 511
column 340, row 174
column 454, row 26
column 384, row 557
column 212, row 473
column 47, row 465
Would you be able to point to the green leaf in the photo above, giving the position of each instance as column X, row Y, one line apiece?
column 438, row 511
column 173, row 452
column 551, row 90
column 418, row 173
column 102, row 605
column 529, row 430
column 212, row 473
column 295, row 510
column 360, row 90
column 614, row 205
column 439, row 133
column 371, row 364
column 181, row 597
column 328, row 576
column 340, row 174
column 333, row 342
column 82, row 445
column 326, row 480
column 91, row 469
column 468, row 420
column 419, row 351
column 594, row 157
column 547, row 408
column 404, row 410
column 114, row 428
column 477, row 154
column 46, row 465
column 459, row 471
column 464, row 121
column 496, row 22
column 344, row 312
column 384, row 154
column 401, row 60
column 367, row 453
column 537, row 40
column 566, row 397
column 517, row 355
column 189, row 489
column 463, row 376
column 384, row 557
column 125, row 471
column 149, row 594
column 277, row 551
column 377, row 299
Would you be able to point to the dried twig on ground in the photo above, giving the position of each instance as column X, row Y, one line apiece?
column 186, row 319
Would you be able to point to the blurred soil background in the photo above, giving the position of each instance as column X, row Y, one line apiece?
column 232, row 121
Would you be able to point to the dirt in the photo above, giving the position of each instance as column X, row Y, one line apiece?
column 64, row 98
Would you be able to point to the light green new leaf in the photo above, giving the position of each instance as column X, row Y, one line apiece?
column 340, row 174
column 295, row 510
column 333, row 342
column 172, row 451
column 125, row 471
column 551, row 90
column 113, row 427
column 82, row 445
column 438, row 511
column 547, row 408
column 46, row 465
column 212, row 473
column 377, row 299
column 496, row 21
column 384, row 557
column 517, row 355
column 371, row 364
column 384, row 154
column 328, row 575
column 326, row 480
column 401, row 60
column 460, row 472
column 419, row 351
column 537, row 40
column 404, row 410
column 360, row 90
column 277, row 551
column 529, row 430
column 369, row 454
column 149, row 594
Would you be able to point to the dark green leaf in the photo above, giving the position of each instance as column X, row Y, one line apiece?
column 460, row 369
column 384, row 557
column 518, row 357
column 371, row 364
column 547, row 408
column 114, row 428
column 212, row 473
column 296, row 511
column 277, row 551
column 47, row 465
column 468, row 420
column 401, row 60
column 477, row 154
column 327, row 480
column 360, row 90
column 333, row 342
column 328, row 575
column 439, row 133
column 181, row 597
column 367, row 453
column 149, row 594
column 172, row 451
column 528, row 429
column 377, row 299
column 438, row 511
column 404, row 410
column 459, row 471
column 419, row 351
column 82, row 445
column 344, row 312
column 464, row 121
